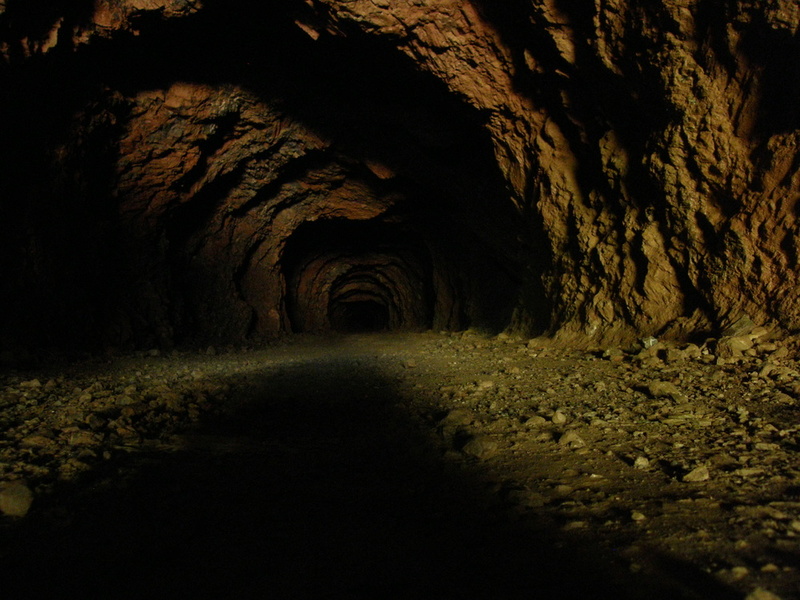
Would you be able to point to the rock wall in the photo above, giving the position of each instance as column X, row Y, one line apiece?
column 598, row 170
column 654, row 144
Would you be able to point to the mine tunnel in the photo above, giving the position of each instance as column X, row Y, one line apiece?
column 257, row 182
column 382, row 298
column 353, row 276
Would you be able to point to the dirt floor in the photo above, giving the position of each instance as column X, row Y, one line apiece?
column 418, row 465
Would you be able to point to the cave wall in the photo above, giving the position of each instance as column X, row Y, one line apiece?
column 654, row 144
column 599, row 170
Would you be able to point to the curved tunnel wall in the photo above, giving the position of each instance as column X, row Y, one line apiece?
column 339, row 269
column 605, row 173
column 208, row 176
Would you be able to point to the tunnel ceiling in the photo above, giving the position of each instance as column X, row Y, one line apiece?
column 177, row 170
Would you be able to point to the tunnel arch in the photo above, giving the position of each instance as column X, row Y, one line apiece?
column 359, row 315
column 258, row 136
column 331, row 265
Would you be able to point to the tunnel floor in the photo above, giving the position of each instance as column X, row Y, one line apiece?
column 415, row 465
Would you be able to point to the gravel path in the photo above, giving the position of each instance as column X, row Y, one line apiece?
column 426, row 465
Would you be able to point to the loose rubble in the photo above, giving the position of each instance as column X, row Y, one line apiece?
column 54, row 431
column 687, row 451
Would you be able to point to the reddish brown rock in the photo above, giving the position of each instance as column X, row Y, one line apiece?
column 635, row 166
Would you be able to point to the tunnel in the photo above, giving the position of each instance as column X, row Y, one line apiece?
column 160, row 160
column 383, row 298
column 260, row 181
column 359, row 314
column 364, row 276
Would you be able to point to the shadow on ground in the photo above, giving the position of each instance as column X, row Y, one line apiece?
column 319, row 486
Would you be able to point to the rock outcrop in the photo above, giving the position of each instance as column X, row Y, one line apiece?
column 599, row 171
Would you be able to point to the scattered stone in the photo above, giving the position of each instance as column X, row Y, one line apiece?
column 749, row 472
column 84, row 438
column 458, row 417
column 761, row 594
column 563, row 490
column 767, row 447
column 724, row 461
column 674, row 355
column 481, row 447
column 664, row 389
column 36, row 441
column 697, row 475
column 648, row 342
column 614, row 355
column 572, row 440
column 733, row 346
column 739, row 573
column 535, row 422
column 747, row 444
column 15, row 499
column 692, row 352
column 781, row 352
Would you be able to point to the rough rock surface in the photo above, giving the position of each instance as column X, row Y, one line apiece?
column 645, row 158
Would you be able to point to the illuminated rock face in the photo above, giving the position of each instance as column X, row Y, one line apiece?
column 600, row 171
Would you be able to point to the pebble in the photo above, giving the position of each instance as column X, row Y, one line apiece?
column 770, row 568
column 36, row 441
column 641, row 463
column 664, row 389
column 674, row 355
column 739, row 573
column 536, row 422
column 749, row 472
column 572, row 440
column 458, row 417
column 481, row 447
column 15, row 499
column 781, row 352
column 761, row 594
column 697, row 475
column 559, row 418
column 614, row 355
column 733, row 346
column 563, row 490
